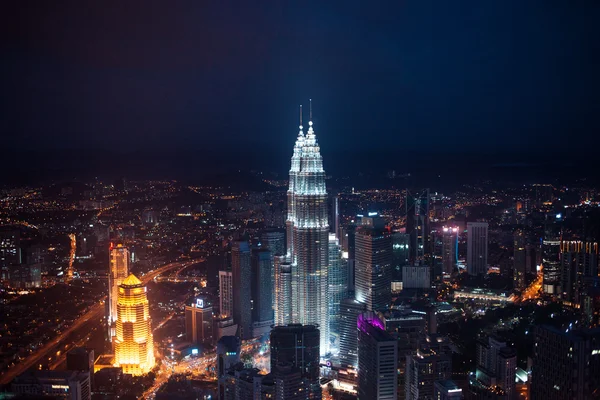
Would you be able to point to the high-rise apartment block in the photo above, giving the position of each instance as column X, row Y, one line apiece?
column 496, row 365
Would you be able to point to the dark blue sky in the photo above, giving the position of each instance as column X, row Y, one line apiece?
column 400, row 76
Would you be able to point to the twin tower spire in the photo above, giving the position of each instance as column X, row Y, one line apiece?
column 310, row 123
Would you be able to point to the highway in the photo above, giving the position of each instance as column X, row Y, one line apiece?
column 93, row 313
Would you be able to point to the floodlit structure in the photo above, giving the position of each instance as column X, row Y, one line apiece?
column 133, row 342
column 119, row 270
column 308, row 234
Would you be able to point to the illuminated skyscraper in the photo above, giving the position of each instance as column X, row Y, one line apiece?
column 373, row 267
column 338, row 282
column 119, row 270
column 308, row 234
column 133, row 342
column 283, row 292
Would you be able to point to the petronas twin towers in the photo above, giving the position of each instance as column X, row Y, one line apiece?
column 308, row 234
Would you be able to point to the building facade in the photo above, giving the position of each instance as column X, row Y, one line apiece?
column 297, row 346
column 226, row 294
column 377, row 360
column 199, row 322
column 241, row 270
column 373, row 268
column 477, row 248
column 118, row 271
column 133, row 341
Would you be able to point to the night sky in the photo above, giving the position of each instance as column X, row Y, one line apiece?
column 510, row 76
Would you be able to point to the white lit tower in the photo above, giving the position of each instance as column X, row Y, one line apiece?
column 308, row 234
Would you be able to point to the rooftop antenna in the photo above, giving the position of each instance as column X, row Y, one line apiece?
column 301, row 133
column 310, row 112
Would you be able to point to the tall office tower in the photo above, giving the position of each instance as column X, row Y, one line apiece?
column 262, row 291
column 308, row 233
column 298, row 345
column 477, row 248
column 423, row 369
column 348, row 243
column 283, row 292
column 199, row 322
column 377, row 360
column 520, row 259
column 417, row 224
column 566, row 365
column 338, row 282
column 496, row 365
column 449, row 249
column 579, row 265
column 334, row 215
column 228, row 353
column 242, row 288
column 226, row 294
column 119, row 270
column 373, row 268
column 274, row 240
column 400, row 254
column 350, row 309
column 10, row 251
column 409, row 329
column 134, row 346
column 551, row 267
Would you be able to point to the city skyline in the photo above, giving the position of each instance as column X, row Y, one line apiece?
column 438, row 239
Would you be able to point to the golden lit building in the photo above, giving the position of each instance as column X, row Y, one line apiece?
column 119, row 270
column 133, row 342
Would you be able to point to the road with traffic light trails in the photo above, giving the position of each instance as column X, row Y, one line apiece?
column 91, row 316
column 203, row 366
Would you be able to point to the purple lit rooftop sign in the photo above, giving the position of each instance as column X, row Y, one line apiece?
column 366, row 319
